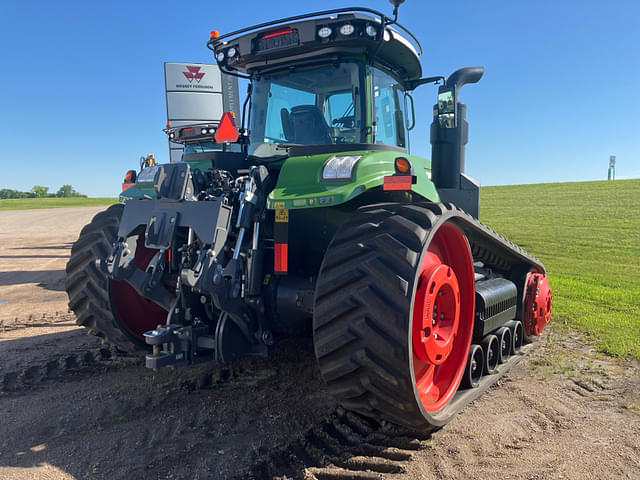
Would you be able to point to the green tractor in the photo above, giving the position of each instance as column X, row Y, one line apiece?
column 318, row 221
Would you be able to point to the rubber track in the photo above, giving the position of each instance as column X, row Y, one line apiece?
column 363, row 303
column 88, row 287
column 61, row 365
column 347, row 446
column 342, row 446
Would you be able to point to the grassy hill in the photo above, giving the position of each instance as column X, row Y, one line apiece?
column 32, row 203
column 588, row 236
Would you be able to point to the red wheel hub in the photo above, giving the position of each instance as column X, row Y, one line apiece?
column 537, row 303
column 442, row 321
column 133, row 312
column 439, row 295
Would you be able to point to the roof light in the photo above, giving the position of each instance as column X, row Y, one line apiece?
column 371, row 30
column 277, row 33
column 227, row 131
column 220, row 56
column 214, row 34
column 324, row 32
column 347, row 29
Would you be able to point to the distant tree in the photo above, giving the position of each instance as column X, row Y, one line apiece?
column 39, row 191
column 65, row 191
column 8, row 193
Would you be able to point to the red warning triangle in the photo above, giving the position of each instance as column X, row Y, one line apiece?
column 227, row 131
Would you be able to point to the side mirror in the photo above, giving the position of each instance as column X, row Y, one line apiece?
column 446, row 107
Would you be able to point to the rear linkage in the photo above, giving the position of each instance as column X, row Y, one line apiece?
column 214, row 304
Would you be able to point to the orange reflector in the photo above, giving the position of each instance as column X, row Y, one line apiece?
column 397, row 182
column 402, row 165
column 214, row 34
column 280, row 251
column 227, row 131
column 130, row 176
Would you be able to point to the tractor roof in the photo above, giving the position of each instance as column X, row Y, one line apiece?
column 329, row 34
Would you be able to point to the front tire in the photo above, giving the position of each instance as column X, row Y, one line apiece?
column 393, row 315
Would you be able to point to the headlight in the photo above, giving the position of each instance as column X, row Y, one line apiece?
column 340, row 167
column 371, row 31
column 220, row 56
column 203, row 131
column 232, row 52
column 347, row 29
column 324, row 32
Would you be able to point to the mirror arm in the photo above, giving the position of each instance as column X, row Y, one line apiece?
column 413, row 84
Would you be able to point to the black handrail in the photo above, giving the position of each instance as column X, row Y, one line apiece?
column 383, row 18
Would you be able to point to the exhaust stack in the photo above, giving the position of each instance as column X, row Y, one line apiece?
column 449, row 135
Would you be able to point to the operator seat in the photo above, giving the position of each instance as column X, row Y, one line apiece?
column 308, row 126
column 286, row 124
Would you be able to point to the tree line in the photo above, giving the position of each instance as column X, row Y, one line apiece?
column 38, row 191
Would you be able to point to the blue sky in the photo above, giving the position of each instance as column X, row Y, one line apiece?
column 82, row 90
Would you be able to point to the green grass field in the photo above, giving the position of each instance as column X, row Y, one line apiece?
column 32, row 203
column 588, row 236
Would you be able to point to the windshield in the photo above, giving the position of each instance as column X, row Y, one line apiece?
column 316, row 106
column 202, row 147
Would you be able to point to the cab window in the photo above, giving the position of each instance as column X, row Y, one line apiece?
column 388, row 109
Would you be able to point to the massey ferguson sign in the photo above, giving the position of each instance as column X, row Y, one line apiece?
column 197, row 93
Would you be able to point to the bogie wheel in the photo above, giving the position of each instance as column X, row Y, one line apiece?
column 517, row 335
column 393, row 315
column 109, row 309
column 475, row 367
column 504, row 339
column 490, row 347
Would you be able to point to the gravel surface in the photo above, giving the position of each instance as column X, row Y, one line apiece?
column 73, row 408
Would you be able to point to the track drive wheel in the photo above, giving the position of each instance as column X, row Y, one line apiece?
column 393, row 315
column 109, row 309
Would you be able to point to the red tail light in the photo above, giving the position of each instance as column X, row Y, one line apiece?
column 277, row 33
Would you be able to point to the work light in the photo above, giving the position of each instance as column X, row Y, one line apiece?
column 324, row 32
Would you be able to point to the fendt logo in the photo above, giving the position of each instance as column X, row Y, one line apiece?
column 193, row 73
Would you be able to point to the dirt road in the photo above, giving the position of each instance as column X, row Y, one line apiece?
column 71, row 408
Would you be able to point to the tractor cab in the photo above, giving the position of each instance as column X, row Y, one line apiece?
column 337, row 80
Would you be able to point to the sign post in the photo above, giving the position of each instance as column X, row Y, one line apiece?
column 612, row 168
